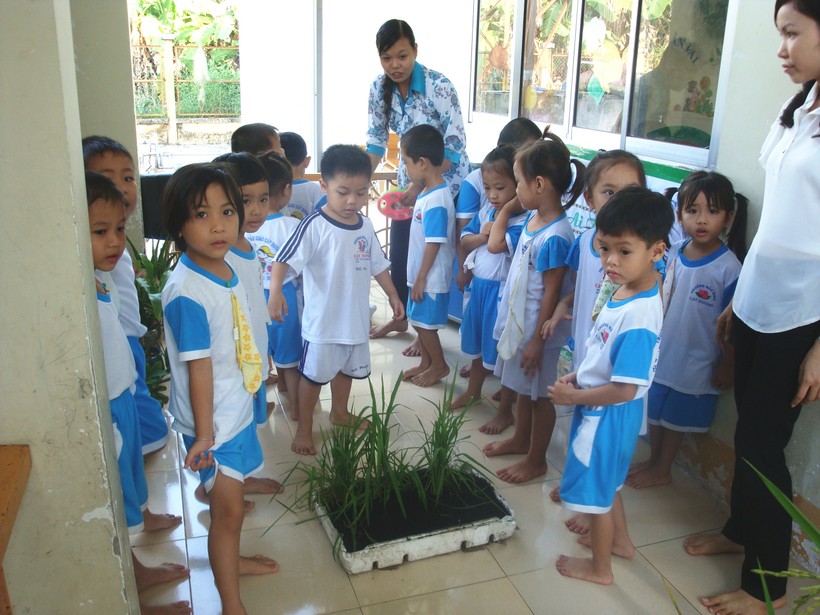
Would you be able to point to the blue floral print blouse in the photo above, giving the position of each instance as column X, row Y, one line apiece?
column 431, row 99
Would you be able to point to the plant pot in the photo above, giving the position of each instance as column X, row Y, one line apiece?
column 464, row 518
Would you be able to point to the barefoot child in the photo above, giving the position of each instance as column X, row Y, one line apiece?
column 106, row 218
column 536, row 281
column 607, row 389
column 284, row 338
column 215, row 366
column 110, row 158
column 489, row 265
column 337, row 251
column 431, row 252
column 307, row 195
column 607, row 173
column 701, row 274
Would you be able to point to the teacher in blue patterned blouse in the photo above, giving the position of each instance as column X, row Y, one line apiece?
column 406, row 95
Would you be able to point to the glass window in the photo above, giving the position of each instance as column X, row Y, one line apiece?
column 494, row 56
column 546, row 58
column 602, row 69
column 677, row 70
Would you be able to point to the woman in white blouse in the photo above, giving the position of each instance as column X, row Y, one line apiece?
column 405, row 95
column 774, row 324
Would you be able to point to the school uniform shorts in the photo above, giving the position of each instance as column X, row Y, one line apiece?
column 237, row 458
column 680, row 411
column 321, row 363
column 430, row 312
column 129, row 459
column 514, row 377
column 285, row 338
column 153, row 426
column 477, row 341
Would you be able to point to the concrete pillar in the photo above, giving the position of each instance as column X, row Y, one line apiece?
column 69, row 550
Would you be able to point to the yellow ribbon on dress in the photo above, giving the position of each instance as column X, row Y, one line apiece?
column 247, row 355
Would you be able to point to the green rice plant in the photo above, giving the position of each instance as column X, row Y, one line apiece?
column 809, row 602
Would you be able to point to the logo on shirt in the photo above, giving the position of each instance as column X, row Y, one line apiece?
column 417, row 216
column 525, row 255
column 703, row 294
column 602, row 334
column 361, row 252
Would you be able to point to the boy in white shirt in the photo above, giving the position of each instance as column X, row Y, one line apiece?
column 336, row 250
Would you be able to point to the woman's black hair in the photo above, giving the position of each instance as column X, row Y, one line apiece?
column 551, row 158
column 811, row 9
column 186, row 189
column 720, row 192
column 501, row 158
column 391, row 32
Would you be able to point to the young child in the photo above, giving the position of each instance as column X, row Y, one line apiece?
column 701, row 274
column 608, row 172
column 284, row 338
column 256, row 139
column 431, row 250
column 106, row 218
column 110, row 158
column 337, row 251
column 307, row 195
column 215, row 366
column 489, row 265
column 607, row 389
column 536, row 281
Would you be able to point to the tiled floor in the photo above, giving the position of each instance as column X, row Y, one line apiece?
column 517, row 576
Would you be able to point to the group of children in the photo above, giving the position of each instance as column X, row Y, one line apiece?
column 266, row 273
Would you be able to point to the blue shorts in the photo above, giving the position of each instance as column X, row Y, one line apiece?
column 477, row 341
column 153, row 426
column 237, row 458
column 601, row 445
column 431, row 313
column 129, row 459
column 680, row 411
column 260, row 405
column 285, row 338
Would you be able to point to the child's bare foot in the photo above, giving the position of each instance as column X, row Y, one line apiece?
column 710, row 544
column 151, row 576
column 651, row 477
column 348, row 419
column 555, row 495
column 262, row 485
column 579, row 524
column 411, row 373
column 413, row 350
column 497, row 424
column 739, row 602
column 431, row 376
column 271, row 406
column 390, row 326
column 463, row 400
column 522, row 471
column 303, row 443
column 257, row 564
column 639, row 467
column 582, row 568
column 154, row 522
column 201, row 495
column 510, row 446
column 497, row 395
column 273, row 378
column 621, row 549
column 182, row 607
column 464, row 372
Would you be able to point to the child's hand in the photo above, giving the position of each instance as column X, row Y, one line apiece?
column 486, row 228
column 199, row 456
column 398, row 307
column 408, row 199
column 724, row 376
column 417, row 290
column 570, row 378
column 277, row 306
column 463, row 279
column 562, row 393
column 723, row 332
column 513, row 207
column 562, row 312
column 531, row 359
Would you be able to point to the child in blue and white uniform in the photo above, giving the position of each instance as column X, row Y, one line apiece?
column 607, row 389
column 431, row 251
column 701, row 274
column 338, row 253
column 538, row 278
column 306, row 196
column 215, row 365
column 110, row 158
column 489, row 265
column 106, row 218
column 284, row 338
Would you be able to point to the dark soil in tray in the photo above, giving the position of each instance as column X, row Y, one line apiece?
column 474, row 501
